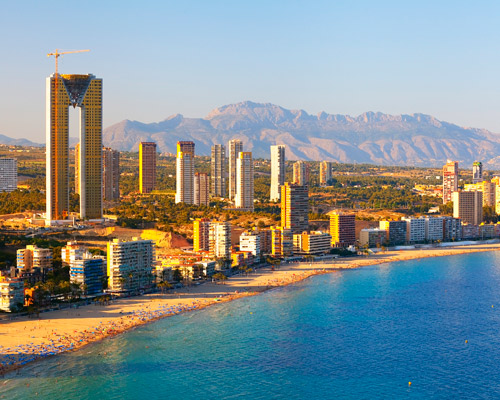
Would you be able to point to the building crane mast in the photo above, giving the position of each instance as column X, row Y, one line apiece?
column 55, row 122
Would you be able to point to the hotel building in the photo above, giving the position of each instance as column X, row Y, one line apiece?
column 218, row 170
column 301, row 173
column 250, row 241
column 11, row 294
column 201, row 234
column 110, row 174
column 88, row 272
column 342, row 229
column 278, row 171
column 312, row 243
column 147, row 167
column 295, row 207
column 85, row 92
column 34, row 257
column 201, row 189
column 184, row 178
column 325, row 173
column 220, row 239
column 244, row 181
column 396, row 231
column 450, row 180
column 468, row 206
column 281, row 241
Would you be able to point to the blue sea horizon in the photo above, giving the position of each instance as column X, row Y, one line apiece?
column 352, row 334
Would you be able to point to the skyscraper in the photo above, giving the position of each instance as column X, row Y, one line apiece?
column 235, row 147
column 110, row 174
column 295, row 207
column 220, row 239
column 450, row 180
column 147, row 167
column 342, row 229
column 278, row 170
column 301, row 173
column 218, row 171
column 184, row 178
column 477, row 172
column 468, row 206
column 201, row 230
column 8, row 174
column 325, row 173
column 201, row 189
column 244, row 181
column 85, row 92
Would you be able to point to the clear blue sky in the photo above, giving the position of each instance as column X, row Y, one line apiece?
column 158, row 58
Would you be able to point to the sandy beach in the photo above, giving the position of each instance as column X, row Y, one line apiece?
column 24, row 340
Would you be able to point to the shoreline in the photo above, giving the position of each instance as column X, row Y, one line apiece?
column 26, row 340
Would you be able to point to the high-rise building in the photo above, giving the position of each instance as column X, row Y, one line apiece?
column 244, row 181
column 77, row 168
column 71, row 251
column 8, row 174
column 130, row 265
column 477, row 172
column 295, row 207
column 201, row 234
column 278, row 171
column 315, row 242
column 218, row 171
column 342, row 229
column 184, row 178
column 110, row 174
column 220, row 239
column 85, row 92
column 325, row 173
column 281, row 241
column 11, row 294
column 488, row 189
column 434, row 228
column 301, row 173
column 147, row 167
column 452, row 229
column 415, row 229
column 235, row 148
column 450, row 180
column 396, row 232
column 34, row 257
column 201, row 189
column 372, row 237
column 250, row 241
column 468, row 206
column 87, row 271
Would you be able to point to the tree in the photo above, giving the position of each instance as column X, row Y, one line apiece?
column 219, row 276
column 177, row 275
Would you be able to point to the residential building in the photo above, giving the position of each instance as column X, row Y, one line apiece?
column 278, row 171
column 452, row 229
column 77, row 168
column 450, row 180
column 325, row 173
column 415, row 229
column 130, row 265
column 374, row 237
column 311, row 243
column 470, row 231
column 486, row 231
column 201, row 230
column 396, row 232
column 88, row 272
column 244, row 181
column 85, row 92
column 468, row 206
column 34, row 257
column 434, row 229
column 342, row 229
column 201, row 189
column 220, row 239
column 250, row 241
column 487, row 188
column 477, row 172
column 218, row 171
column 265, row 241
column 8, row 174
column 185, row 173
column 281, row 241
column 147, row 167
column 11, row 294
column 295, row 207
column 72, row 251
column 110, row 174
column 235, row 148
column 301, row 173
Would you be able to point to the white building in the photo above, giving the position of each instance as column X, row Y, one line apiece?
column 130, row 265
column 8, row 174
column 415, row 229
column 235, row 147
column 220, row 239
column 184, row 178
column 250, row 241
column 278, row 171
column 244, row 181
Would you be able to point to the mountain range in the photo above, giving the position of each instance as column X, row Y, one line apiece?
column 375, row 138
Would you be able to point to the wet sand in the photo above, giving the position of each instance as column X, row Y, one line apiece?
column 24, row 340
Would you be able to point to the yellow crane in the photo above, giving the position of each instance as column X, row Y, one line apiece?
column 56, row 55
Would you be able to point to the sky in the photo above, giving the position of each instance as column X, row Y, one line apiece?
column 159, row 58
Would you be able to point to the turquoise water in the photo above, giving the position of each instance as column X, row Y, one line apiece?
column 358, row 334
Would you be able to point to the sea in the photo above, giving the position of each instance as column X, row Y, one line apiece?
column 420, row 329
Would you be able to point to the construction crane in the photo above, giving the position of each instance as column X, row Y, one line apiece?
column 55, row 183
column 58, row 54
